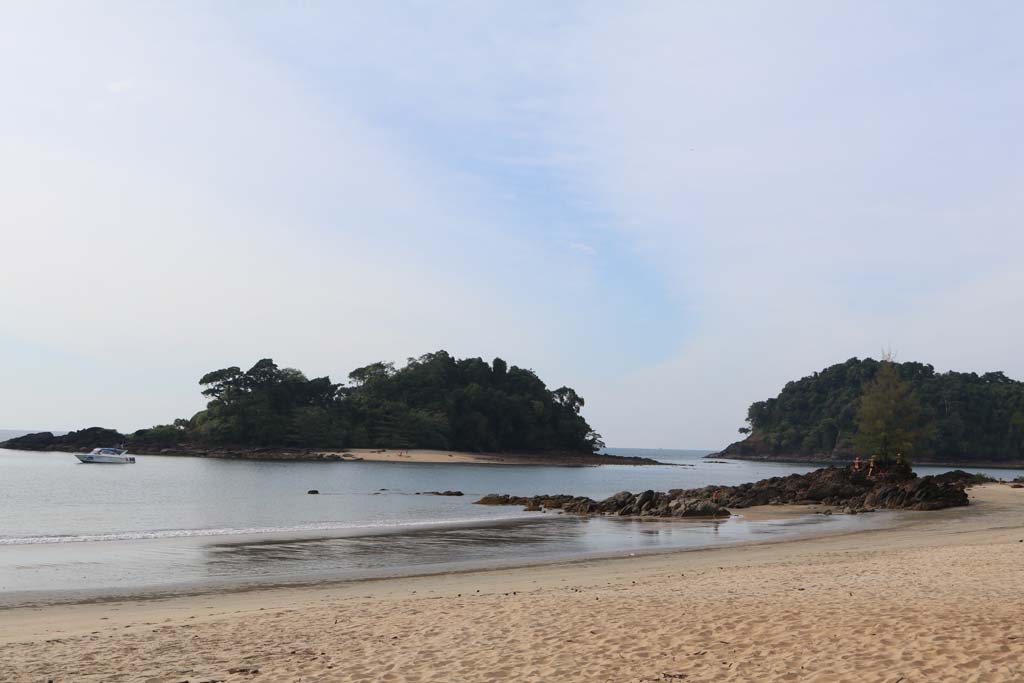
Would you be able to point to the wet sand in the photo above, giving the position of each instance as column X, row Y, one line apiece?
column 937, row 597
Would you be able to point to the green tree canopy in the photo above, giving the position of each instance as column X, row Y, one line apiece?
column 434, row 401
column 963, row 416
column 889, row 417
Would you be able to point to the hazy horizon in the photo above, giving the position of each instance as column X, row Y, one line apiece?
column 674, row 209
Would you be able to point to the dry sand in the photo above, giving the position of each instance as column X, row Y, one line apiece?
column 938, row 597
column 425, row 455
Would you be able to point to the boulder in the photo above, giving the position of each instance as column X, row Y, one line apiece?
column 495, row 499
column 701, row 508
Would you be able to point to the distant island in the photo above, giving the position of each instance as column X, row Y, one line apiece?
column 950, row 418
column 434, row 402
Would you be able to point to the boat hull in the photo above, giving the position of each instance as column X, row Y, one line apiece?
column 98, row 459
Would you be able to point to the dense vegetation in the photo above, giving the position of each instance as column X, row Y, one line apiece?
column 957, row 416
column 890, row 424
column 435, row 401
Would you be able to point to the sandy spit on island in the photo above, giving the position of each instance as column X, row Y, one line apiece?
column 426, row 455
column 937, row 597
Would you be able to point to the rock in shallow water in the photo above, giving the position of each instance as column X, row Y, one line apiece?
column 897, row 488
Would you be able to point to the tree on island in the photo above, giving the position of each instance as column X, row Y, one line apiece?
column 434, row 401
column 889, row 418
column 965, row 417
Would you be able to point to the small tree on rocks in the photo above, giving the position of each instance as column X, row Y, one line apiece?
column 889, row 418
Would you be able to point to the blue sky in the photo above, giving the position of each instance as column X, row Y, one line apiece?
column 674, row 208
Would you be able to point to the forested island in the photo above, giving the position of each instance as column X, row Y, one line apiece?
column 890, row 409
column 433, row 402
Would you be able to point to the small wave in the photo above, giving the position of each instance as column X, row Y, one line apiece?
column 368, row 528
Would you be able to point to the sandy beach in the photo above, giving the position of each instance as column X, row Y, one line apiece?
column 937, row 597
column 430, row 456
column 426, row 455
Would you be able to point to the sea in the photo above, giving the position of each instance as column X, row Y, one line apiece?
column 167, row 525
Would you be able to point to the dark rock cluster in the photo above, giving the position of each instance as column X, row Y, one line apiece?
column 895, row 488
column 82, row 440
column 646, row 504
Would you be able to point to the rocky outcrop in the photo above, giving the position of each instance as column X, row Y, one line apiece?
column 442, row 493
column 82, row 440
column 87, row 439
column 757, row 447
column 897, row 488
column 93, row 437
column 646, row 504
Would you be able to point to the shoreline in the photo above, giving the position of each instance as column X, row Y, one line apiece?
column 44, row 600
column 408, row 455
column 866, row 605
column 826, row 462
column 895, row 520
column 804, row 518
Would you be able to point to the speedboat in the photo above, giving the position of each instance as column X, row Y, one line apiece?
column 106, row 456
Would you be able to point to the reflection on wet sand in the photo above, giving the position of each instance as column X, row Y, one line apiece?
column 74, row 571
column 517, row 542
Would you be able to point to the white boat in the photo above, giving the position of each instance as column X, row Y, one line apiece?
column 106, row 456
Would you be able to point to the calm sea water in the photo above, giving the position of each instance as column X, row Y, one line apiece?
column 168, row 523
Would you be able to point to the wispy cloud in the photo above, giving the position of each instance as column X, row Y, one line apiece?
column 743, row 194
column 818, row 199
column 115, row 87
column 583, row 248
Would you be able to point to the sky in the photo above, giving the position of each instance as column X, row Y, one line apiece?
column 674, row 208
